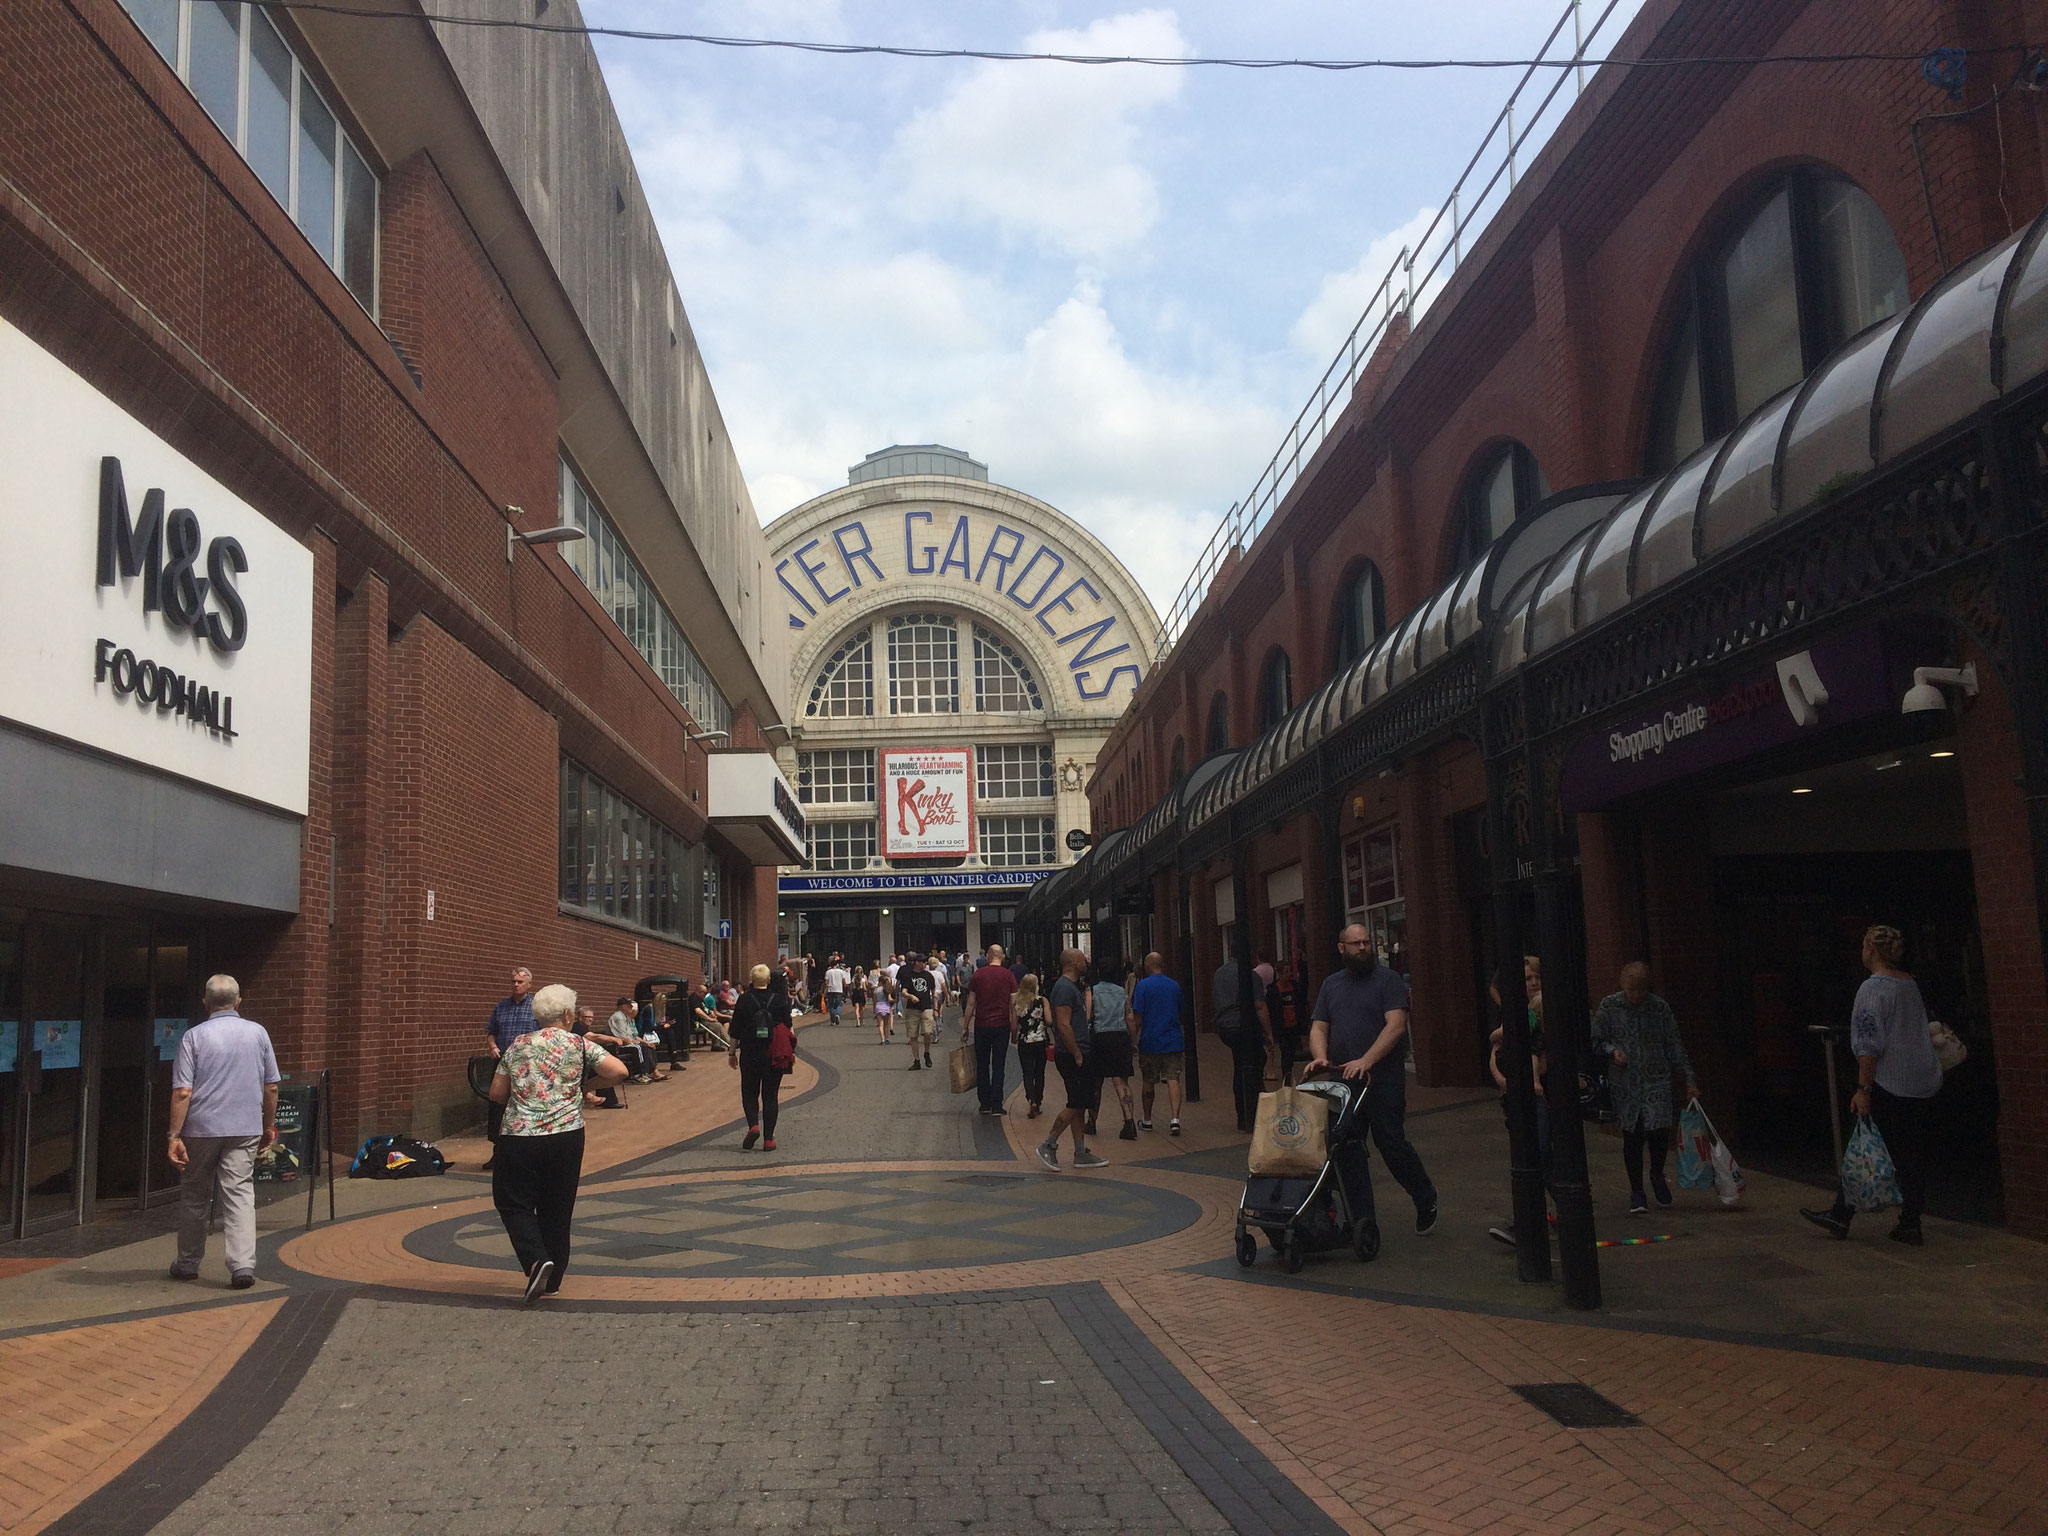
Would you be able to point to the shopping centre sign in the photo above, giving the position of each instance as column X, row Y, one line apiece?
column 1830, row 683
column 173, row 621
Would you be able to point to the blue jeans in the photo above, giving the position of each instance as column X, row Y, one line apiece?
column 991, row 1061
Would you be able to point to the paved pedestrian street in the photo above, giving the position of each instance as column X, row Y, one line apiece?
column 899, row 1322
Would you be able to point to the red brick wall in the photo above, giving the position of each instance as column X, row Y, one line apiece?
column 2009, row 928
column 137, row 245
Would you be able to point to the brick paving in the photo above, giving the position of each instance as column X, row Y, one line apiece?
column 1135, row 1381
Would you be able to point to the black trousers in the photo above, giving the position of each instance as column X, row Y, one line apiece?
column 760, row 1087
column 675, row 1039
column 991, row 1063
column 1248, row 1071
column 1386, row 1113
column 533, row 1184
column 1905, row 1125
column 1632, row 1143
column 1031, row 1062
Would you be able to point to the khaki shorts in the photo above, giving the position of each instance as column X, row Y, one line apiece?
column 917, row 1022
column 1159, row 1067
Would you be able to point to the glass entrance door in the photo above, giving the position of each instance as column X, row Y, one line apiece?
column 53, row 1072
column 125, row 1049
column 11, row 1065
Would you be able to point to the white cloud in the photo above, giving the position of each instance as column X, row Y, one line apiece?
column 1049, row 151
column 1321, row 327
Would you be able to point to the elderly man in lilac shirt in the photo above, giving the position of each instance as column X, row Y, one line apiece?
column 223, row 1112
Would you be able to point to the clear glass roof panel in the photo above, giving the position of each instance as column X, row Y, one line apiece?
column 1551, row 618
column 1666, row 549
column 1401, row 659
column 1944, row 367
column 1465, row 615
column 2026, row 320
column 1828, row 443
column 1604, row 586
column 1514, row 626
column 1431, row 643
column 1739, row 501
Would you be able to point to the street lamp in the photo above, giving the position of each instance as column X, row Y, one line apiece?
column 710, row 735
column 564, row 533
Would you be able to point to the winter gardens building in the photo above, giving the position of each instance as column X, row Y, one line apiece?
column 1602, row 599
column 958, row 651
column 307, row 323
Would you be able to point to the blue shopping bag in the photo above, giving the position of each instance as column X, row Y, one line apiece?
column 1869, row 1182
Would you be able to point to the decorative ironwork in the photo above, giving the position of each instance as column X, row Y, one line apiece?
column 1440, row 702
column 1907, row 531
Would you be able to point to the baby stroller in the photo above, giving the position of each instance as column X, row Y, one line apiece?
column 1317, row 1215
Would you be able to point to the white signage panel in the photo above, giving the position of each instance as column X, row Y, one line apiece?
column 927, row 802
column 164, row 619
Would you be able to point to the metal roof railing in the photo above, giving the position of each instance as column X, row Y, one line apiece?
column 1480, row 190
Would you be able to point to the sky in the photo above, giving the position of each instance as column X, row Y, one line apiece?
column 1114, row 285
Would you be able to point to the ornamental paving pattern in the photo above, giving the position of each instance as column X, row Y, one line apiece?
column 899, row 1322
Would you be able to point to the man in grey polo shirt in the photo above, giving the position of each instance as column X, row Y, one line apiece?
column 223, row 1112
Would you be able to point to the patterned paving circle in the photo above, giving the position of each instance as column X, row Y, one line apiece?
column 832, row 1224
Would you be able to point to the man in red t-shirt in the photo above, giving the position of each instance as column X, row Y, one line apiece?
column 989, row 991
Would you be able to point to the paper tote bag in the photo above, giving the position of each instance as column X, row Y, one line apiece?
column 1291, row 1137
column 961, row 1064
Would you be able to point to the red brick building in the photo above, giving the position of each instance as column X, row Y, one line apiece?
column 1587, row 629
column 349, row 307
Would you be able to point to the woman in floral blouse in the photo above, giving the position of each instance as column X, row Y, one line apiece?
column 540, row 1147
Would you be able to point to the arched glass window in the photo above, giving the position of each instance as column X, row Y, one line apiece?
column 1276, row 690
column 1178, row 763
column 1504, row 487
column 1361, row 615
column 846, row 683
column 924, row 665
column 1806, row 266
column 1003, row 684
column 1219, row 723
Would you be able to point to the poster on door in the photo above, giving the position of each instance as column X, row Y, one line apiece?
column 58, row 1040
column 927, row 802
column 168, row 1033
column 10, row 1044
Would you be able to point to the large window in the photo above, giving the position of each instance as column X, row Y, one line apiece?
column 924, row 666
column 1809, row 264
column 1177, row 763
column 839, row 845
column 1012, row 842
column 1499, row 492
column 252, row 84
column 1276, row 690
column 836, row 776
column 1013, row 772
column 1361, row 616
column 1373, row 894
column 845, row 684
column 1003, row 683
column 1219, row 724
column 610, row 571
column 619, row 862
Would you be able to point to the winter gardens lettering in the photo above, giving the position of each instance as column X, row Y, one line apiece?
column 816, row 577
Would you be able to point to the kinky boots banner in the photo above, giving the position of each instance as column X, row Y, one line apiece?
column 927, row 802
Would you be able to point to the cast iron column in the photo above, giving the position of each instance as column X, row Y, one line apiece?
column 1191, row 1061
column 1525, row 1160
column 1560, row 940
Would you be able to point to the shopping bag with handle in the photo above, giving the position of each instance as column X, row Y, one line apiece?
column 1291, row 1137
column 1695, row 1148
column 1869, row 1181
column 961, row 1065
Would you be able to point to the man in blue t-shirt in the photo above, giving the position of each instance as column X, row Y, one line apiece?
column 1360, row 1027
column 1156, row 1001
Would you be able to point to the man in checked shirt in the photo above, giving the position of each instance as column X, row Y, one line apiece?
column 512, row 1018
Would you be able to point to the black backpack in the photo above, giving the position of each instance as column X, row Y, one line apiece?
column 397, row 1157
